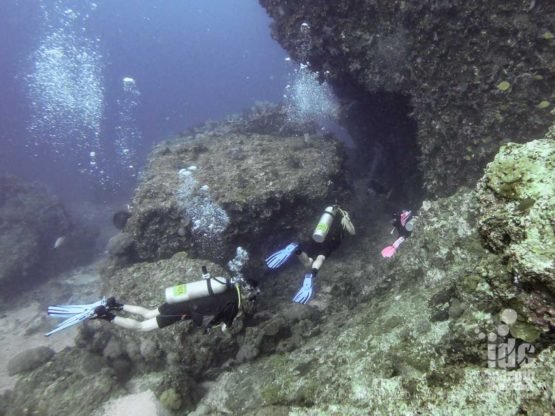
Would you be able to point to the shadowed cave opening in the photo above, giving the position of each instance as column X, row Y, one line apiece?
column 386, row 153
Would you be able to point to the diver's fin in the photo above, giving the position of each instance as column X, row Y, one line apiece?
column 74, row 314
column 278, row 258
column 305, row 292
column 69, row 322
column 61, row 311
column 389, row 251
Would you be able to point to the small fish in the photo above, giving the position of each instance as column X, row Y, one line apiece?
column 59, row 241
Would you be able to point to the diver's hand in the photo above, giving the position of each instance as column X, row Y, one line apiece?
column 305, row 292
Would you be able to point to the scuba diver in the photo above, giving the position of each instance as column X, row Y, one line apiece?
column 327, row 236
column 219, row 297
column 403, row 223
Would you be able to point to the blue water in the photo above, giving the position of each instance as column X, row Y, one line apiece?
column 66, row 117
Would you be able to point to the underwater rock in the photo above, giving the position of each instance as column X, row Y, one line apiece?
column 197, row 196
column 120, row 219
column 369, row 361
column 120, row 246
column 31, row 222
column 379, row 352
column 517, row 196
column 525, row 332
column 143, row 284
column 465, row 104
column 171, row 399
column 29, row 360
column 62, row 387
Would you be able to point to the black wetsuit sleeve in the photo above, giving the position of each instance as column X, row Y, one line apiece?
column 226, row 314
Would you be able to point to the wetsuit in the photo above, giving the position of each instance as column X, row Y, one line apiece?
column 331, row 242
column 223, row 306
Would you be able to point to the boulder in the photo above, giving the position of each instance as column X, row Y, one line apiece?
column 232, row 183
column 37, row 236
column 64, row 387
column 29, row 360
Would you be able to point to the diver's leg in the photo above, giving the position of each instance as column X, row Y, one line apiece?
column 318, row 263
column 139, row 310
column 101, row 312
column 129, row 323
column 304, row 259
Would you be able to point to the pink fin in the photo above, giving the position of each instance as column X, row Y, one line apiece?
column 389, row 251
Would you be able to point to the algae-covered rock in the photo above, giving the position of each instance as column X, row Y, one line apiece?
column 406, row 335
column 465, row 104
column 524, row 331
column 517, row 197
column 230, row 183
column 171, row 399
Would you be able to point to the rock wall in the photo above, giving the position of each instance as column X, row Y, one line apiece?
column 460, row 320
column 31, row 221
column 477, row 73
column 517, row 222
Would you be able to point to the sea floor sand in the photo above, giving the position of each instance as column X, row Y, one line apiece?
column 23, row 327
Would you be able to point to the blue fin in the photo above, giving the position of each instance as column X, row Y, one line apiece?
column 305, row 292
column 279, row 258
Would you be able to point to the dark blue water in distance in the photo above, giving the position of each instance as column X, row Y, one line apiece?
column 68, row 116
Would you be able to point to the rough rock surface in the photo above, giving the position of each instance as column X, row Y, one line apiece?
column 183, row 352
column 412, row 334
column 29, row 360
column 413, row 344
column 420, row 340
column 517, row 222
column 31, row 220
column 477, row 73
column 74, row 382
column 231, row 184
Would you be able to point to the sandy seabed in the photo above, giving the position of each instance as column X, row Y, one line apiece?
column 23, row 327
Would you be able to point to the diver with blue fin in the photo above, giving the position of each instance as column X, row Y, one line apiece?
column 327, row 236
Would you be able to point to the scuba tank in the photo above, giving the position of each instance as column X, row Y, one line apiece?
column 324, row 225
column 199, row 289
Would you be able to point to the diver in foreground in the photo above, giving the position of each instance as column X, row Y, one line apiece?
column 219, row 297
column 327, row 236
